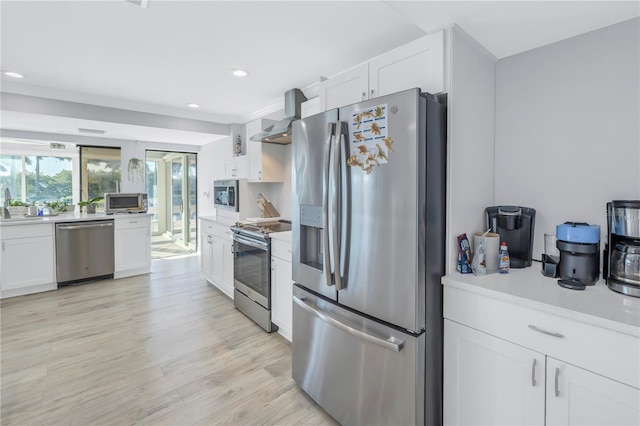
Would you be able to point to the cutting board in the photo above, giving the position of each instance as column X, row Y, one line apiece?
column 263, row 219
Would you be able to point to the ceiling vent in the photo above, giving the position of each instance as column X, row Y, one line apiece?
column 92, row 131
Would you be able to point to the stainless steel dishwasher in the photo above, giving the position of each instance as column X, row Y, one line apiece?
column 84, row 251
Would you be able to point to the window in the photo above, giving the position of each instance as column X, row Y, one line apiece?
column 100, row 171
column 33, row 178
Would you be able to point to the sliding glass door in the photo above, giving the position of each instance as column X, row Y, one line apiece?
column 171, row 184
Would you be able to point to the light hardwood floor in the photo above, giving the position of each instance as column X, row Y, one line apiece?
column 165, row 348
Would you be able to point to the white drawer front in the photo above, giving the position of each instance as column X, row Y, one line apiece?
column 599, row 350
column 217, row 229
column 27, row 231
column 132, row 221
column 281, row 249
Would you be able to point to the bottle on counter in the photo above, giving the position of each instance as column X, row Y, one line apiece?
column 503, row 259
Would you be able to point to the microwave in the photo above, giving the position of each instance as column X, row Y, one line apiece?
column 225, row 195
column 116, row 202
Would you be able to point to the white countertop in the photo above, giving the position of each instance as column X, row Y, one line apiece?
column 283, row 236
column 66, row 217
column 597, row 304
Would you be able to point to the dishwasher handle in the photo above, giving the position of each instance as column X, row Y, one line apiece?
column 91, row 225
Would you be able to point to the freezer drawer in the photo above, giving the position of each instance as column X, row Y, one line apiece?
column 358, row 370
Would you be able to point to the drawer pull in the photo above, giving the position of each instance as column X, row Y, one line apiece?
column 533, row 373
column 550, row 333
column 556, row 385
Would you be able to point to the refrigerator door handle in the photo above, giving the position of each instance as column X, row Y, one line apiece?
column 334, row 202
column 327, row 231
column 342, row 139
column 390, row 343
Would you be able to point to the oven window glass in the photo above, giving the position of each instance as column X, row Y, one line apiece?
column 251, row 267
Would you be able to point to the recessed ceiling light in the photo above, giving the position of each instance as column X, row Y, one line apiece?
column 193, row 105
column 240, row 72
column 13, row 74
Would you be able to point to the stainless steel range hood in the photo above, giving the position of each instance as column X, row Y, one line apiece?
column 280, row 132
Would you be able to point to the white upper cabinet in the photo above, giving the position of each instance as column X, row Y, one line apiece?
column 236, row 167
column 416, row 64
column 310, row 107
column 266, row 160
column 347, row 88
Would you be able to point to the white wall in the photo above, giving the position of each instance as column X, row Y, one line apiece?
column 471, row 100
column 567, row 127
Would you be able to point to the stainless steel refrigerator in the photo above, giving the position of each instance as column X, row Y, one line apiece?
column 368, row 222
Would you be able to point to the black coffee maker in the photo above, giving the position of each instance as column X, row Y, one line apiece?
column 515, row 225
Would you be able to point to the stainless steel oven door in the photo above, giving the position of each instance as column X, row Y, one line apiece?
column 252, row 269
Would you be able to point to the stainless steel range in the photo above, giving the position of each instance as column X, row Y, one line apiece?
column 252, row 270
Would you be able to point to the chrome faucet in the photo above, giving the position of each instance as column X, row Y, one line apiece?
column 5, row 209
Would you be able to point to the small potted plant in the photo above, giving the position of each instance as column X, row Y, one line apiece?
column 91, row 204
column 17, row 208
column 57, row 207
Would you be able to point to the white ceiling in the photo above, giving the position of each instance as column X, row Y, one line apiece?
column 158, row 59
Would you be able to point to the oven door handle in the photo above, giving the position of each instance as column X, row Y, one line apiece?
column 253, row 243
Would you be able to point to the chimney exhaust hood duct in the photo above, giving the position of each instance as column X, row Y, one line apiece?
column 280, row 132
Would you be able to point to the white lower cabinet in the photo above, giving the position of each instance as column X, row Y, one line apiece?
column 216, row 255
column 502, row 366
column 132, row 241
column 490, row 381
column 579, row 397
column 206, row 258
column 281, row 287
column 27, row 259
column 226, row 244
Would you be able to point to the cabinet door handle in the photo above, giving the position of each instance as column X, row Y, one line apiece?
column 556, row 384
column 533, row 373
column 373, row 94
column 364, row 96
column 550, row 333
column 260, row 175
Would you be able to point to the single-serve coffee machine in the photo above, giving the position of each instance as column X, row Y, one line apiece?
column 622, row 254
column 515, row 225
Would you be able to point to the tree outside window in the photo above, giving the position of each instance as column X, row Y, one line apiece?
column 33, row 178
